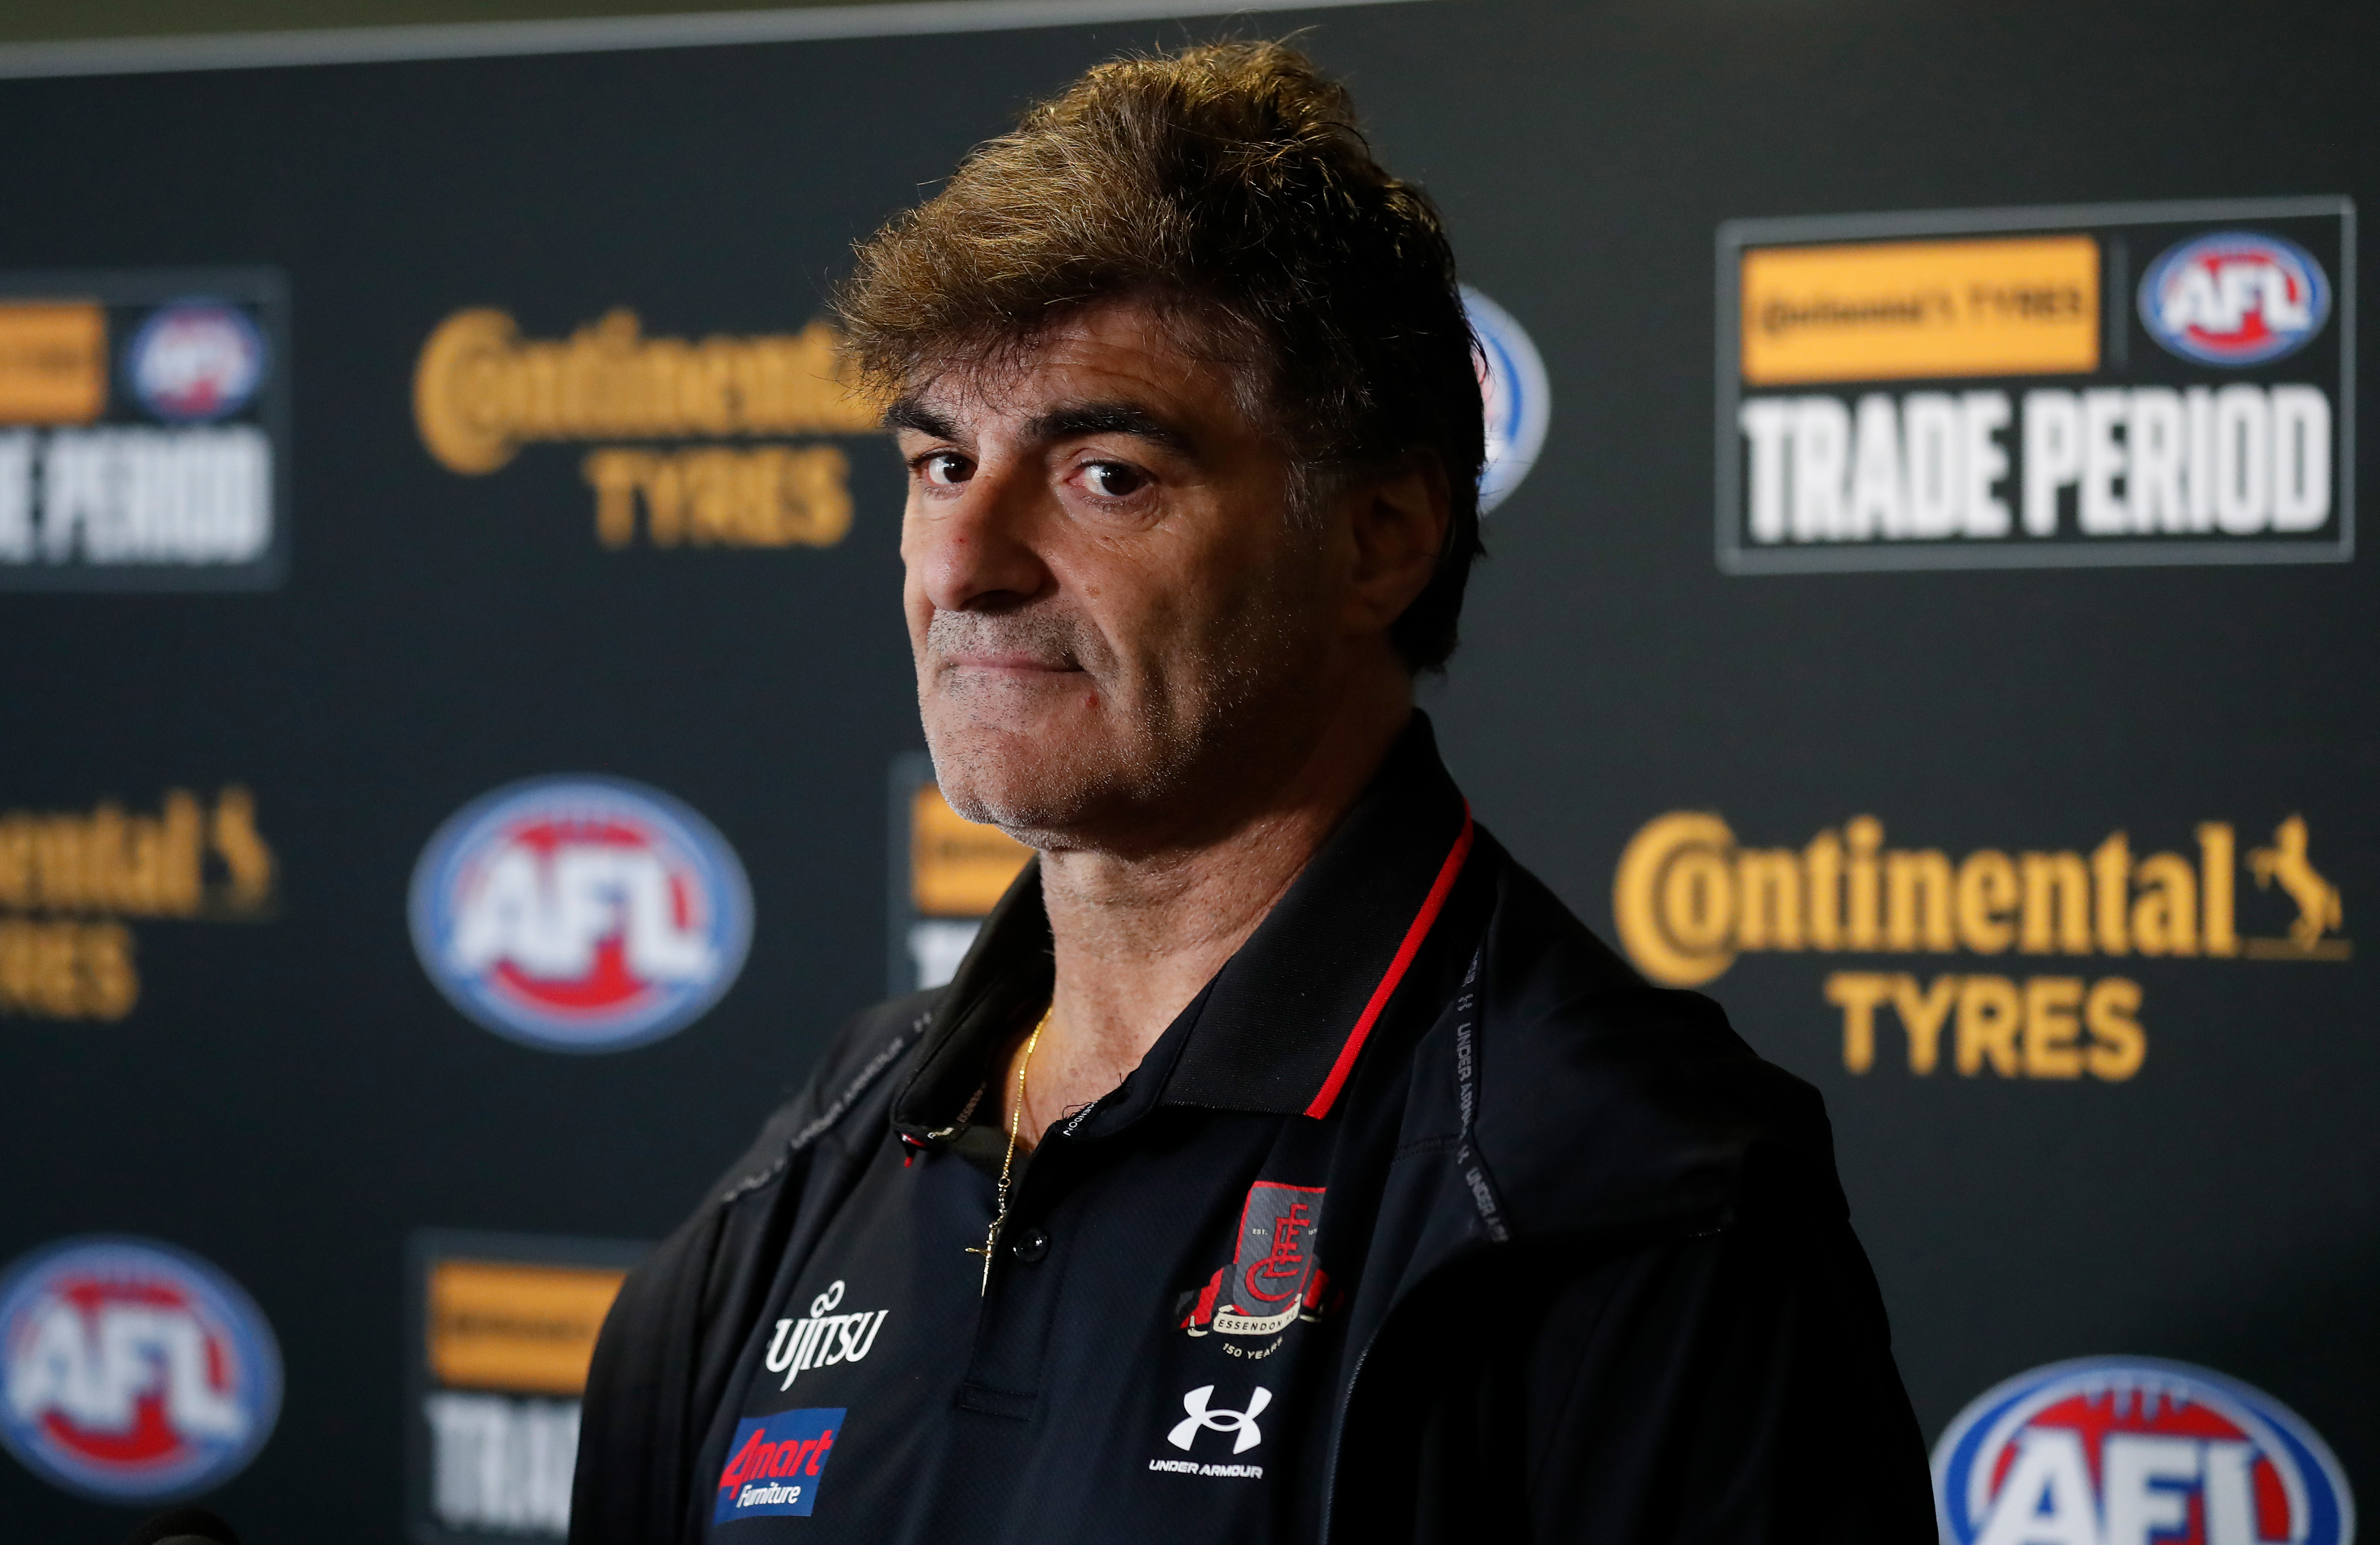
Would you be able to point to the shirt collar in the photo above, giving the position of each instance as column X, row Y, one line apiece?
column 1278, row 1027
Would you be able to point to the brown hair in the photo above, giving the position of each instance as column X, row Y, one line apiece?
column 1230, row 183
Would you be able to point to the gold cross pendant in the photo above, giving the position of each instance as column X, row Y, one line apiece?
column 990, row 1241
column 1008, row 1164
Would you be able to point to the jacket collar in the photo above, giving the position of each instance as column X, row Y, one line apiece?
column 1278, row 1029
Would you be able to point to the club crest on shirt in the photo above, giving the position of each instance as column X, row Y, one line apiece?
column 1272, row 1280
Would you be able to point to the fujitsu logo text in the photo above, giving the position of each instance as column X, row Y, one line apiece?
column 823, row 1339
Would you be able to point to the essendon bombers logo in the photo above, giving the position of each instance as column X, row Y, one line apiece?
column 131, row 1371
column 580, row 913
column 1273, row 1279
column 2133, row 1450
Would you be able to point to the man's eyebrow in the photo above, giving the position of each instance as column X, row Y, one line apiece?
column 908, row 413
column 1060, row 422
column 1108, row 418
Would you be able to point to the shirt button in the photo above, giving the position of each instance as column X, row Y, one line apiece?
column 1030, row 1246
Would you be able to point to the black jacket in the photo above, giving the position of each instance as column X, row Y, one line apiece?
column 1608, row 1288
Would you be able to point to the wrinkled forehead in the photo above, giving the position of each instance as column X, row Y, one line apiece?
column 1174, row 356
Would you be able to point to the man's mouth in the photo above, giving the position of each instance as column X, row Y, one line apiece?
column 1010, row 662
column 1028, row 651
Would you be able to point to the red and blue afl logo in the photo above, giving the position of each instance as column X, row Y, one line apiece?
column 580, row 914
column 131, row 1371
column 2133, row 1451
column 196, row 361
column 1512, row 392
column 2235, row 299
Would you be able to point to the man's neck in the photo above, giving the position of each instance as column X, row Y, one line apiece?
column 1136, row 938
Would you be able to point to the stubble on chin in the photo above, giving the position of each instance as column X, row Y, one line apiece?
column 1011, row 754
column 1048, row 786
column 1152, row 736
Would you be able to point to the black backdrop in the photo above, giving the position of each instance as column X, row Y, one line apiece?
column 292, row 1098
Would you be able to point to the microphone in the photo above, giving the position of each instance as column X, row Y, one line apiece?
column 184, row 1525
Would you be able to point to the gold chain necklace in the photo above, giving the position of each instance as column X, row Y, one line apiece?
column 1008, row 1163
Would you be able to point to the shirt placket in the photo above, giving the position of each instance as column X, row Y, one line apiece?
column 1008, row 1361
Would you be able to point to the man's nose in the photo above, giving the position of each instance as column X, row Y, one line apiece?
column 981, row 549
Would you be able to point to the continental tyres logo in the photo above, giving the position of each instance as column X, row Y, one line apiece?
column 482, row 392
column 1689, row 899
column 71, row 882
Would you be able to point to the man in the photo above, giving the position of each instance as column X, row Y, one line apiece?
column 1285, row 1162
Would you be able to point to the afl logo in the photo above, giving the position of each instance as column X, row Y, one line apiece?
column 196, row 361
column 2235, row 299
column 580, row 914
column 131, row 1371
column 1512, row 391
column 2125, row 1451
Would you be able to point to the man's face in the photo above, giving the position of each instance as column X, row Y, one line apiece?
column 1116, row 622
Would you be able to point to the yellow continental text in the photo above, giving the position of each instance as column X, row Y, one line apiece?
column 59, row 969
column 65, row 876
column 2041, row 1026
column 1687, row 899
column 481, row 391
column 516, row 1325
column 185, row 861
column 53, row 361
column 770, row 496
column 957, row 868
column 2018, row 306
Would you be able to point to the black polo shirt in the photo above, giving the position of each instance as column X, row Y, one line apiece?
column 1427, row 1221
column 1166, row 1305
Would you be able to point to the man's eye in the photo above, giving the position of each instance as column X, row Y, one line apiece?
column 945, row 468
column 1112, row 479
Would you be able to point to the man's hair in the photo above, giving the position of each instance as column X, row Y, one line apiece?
column 1228, row 185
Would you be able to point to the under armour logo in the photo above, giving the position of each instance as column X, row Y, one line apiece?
column 1242, row 1422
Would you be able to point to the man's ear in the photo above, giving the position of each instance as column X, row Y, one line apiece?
column 1400, row 522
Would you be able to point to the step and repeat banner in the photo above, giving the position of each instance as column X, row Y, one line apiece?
column 462, row 757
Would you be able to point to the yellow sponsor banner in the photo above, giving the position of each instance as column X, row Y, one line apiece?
column 53, row 361
column 957, row 868
column 523, row 1327
column 1900, row 310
